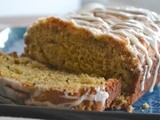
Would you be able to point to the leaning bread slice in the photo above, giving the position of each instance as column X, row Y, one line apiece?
column 24, row 81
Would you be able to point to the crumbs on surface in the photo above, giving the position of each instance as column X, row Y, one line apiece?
column 145, row 106
column 130, row 109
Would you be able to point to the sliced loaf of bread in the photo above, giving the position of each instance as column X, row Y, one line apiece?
column 120, row 43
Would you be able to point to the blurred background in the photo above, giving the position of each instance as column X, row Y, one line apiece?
column 24, row 12
column 148, row 4
column 61, row 7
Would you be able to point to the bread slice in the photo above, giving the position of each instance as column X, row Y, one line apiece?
column 118, row 43
column 24, row 81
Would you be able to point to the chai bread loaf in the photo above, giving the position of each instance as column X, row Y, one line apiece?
column 118, row 43
column 24, row 81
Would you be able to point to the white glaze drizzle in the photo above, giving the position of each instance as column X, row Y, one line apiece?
column 11, row 93
column 155, row 76
column 138, row 12
column 100, row 96
column 140, row 27
column 133, row 24
column 14, row 83
column 134, row 40
column 89, row 22
column 6, row 100
column 144, row 78
column 66, row 95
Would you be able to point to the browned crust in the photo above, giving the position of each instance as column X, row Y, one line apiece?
column 112, row 86
column 54, row 97
column 137, row 93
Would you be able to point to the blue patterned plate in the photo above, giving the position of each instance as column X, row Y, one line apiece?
column 153, row 99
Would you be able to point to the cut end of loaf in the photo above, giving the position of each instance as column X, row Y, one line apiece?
column 63, row 45
column 28, row 82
